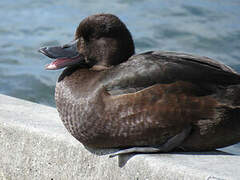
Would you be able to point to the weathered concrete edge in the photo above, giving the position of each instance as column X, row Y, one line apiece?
column 35, row 145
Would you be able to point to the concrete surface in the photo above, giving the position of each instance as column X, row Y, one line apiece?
column 35, row 145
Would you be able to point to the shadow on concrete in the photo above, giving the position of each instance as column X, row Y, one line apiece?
column 123, row 159
column 216, row 152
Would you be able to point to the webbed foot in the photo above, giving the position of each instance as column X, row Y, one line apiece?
column 171, row 144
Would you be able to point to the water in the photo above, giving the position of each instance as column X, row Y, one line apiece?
column 209, row 28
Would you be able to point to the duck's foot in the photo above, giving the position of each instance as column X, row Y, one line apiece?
column 171, row 144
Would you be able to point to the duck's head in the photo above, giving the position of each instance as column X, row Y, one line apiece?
column 100, row 40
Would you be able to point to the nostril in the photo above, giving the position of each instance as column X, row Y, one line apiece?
column 65, row 46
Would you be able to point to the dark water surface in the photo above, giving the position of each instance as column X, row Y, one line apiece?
column 208, row 28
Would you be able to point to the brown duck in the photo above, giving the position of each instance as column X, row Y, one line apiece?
column 157, row 101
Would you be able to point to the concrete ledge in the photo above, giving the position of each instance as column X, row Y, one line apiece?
column 35, row 145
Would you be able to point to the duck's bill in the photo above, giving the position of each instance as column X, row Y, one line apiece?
column 66, row 55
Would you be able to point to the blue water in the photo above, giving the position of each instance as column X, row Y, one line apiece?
column 208, row 28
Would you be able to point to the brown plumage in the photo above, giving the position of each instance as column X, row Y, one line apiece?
column 108, row 99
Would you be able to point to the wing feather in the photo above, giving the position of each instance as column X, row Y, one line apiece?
column 147, row 69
